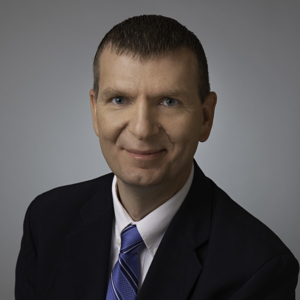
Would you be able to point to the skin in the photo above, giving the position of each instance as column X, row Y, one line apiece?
column 149, row 120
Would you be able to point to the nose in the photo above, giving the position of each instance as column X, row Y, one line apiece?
column 143, row 123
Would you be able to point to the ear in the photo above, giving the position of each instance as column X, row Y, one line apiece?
column 93, row 102
column 208, row 112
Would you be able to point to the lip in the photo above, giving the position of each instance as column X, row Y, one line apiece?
column 147, row 152
column 145, row 155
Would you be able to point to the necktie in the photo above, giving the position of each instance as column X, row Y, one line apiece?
column 124, row 279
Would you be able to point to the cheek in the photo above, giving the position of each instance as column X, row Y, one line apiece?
column 183, row 131
column 109, row 128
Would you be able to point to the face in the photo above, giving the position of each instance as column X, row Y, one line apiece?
column 149, row 118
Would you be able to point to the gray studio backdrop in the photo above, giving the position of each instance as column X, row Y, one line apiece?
column 46, row 134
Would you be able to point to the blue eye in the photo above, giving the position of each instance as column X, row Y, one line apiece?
column 118, row 100
column 169, row 102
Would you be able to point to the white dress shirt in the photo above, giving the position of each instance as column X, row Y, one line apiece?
column 151, row 228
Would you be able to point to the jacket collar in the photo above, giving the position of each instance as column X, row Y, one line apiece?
column 101, row 202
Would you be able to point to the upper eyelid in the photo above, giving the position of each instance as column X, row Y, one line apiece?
column 118, row 96
column 164, row 98
column 109, row 97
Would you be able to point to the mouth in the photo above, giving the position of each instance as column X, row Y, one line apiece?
column 145, row 155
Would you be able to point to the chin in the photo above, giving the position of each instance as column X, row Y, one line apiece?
column 141, row 178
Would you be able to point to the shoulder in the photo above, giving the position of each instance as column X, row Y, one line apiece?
column 70, row 196
column 60, row 207
column 241, row 236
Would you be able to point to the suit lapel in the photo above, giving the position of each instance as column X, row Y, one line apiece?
column 88, row 248
column 176, row 265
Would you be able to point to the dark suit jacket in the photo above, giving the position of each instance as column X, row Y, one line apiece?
column 212, row 249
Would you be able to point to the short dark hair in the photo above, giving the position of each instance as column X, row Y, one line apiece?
column 149, row 35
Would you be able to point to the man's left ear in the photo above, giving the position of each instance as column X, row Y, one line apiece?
column 208, row 112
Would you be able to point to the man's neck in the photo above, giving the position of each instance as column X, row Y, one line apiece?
column 140, row 201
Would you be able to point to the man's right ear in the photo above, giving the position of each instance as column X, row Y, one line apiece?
column 93, row 102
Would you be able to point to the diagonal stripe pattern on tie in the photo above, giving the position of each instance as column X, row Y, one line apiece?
column 124, row 279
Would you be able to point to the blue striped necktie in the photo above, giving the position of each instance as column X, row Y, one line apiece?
column 124, row 279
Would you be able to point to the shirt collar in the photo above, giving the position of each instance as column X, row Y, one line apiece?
column 153, row 226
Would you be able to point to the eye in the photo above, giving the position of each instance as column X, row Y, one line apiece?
column 169, row 102
column 118, row 100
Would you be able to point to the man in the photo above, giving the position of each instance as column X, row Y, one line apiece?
column 157, row 227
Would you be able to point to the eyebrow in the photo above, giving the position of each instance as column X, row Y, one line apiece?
column 110, row 92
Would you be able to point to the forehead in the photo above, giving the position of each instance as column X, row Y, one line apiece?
column 176, row 69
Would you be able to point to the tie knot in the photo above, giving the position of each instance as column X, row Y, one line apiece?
column 131, row 240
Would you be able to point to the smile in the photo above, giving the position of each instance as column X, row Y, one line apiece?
column 145, row 155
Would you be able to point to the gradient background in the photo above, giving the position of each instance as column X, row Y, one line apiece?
column 46, row 134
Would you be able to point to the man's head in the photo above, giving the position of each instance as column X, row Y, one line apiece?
column 147, row 36
column 146, row 107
